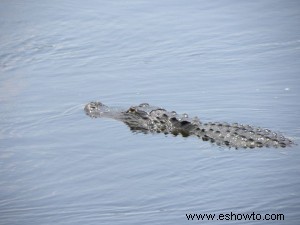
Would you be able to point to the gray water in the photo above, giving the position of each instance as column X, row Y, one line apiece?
column 233, row 61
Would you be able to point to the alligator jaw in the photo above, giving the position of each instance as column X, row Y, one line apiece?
column 95, row 109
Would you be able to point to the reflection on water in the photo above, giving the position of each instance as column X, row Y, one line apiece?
column 11, row 88
column 222, row 61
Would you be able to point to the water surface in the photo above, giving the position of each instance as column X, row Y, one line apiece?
column 227, row 61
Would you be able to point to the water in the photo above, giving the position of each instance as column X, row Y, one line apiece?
column 222, row 61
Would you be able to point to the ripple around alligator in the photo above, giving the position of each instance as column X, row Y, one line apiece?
column 151, row 119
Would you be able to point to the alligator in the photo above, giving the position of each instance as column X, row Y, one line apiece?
column 150, row 119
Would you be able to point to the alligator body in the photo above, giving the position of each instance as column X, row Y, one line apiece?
column 149, row 119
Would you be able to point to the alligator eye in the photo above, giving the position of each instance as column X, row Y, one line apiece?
column 131, row 109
